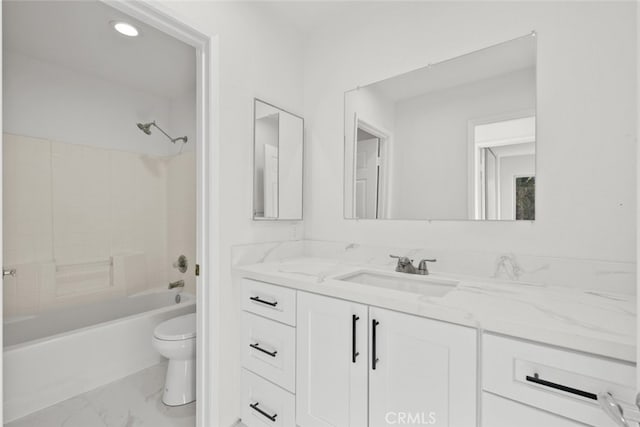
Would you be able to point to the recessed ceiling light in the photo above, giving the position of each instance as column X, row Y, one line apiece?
column 125, row 28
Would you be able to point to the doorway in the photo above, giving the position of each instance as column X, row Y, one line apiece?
column 371, row 160
column 103, row 271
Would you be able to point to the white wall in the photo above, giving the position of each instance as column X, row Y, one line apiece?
column 58, row 103
column 182, row 122
column 586, row 111
column 259, row 57
column 432, row 143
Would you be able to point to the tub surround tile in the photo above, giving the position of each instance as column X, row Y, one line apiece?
column 132, row 401
column 126, row 203
column 589, row 319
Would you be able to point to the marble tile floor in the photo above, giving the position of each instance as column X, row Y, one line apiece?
column 133, row 401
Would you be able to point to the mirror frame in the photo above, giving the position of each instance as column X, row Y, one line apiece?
column 533, row 34
column 253, row 155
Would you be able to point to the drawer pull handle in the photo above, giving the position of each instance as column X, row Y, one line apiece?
column 537, row 380
column 354, row 351
column 374, row 344
column 261, row 301
column 257, row 347
column 254, row 406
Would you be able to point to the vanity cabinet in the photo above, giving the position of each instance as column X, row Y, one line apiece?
column 268, row 350
column 420, row 368
column 547, row 380
column 332, row 362
column 499, row 412
column 359, row 366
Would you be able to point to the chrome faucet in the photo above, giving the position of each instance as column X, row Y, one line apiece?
column 405, row 265
column 176, row 284
column 422, row 267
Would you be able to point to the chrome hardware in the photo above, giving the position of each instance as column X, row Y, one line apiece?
column 612, row 408
column 181, row 264
column 405, row 265
column 176, row 284
column 9, row 272
column 422, row 267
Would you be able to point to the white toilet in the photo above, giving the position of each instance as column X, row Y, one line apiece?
column 175, row 339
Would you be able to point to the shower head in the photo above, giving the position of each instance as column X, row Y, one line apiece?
column 146, row 127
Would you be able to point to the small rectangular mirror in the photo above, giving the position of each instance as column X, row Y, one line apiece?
column 278, row 143
column 451, row 141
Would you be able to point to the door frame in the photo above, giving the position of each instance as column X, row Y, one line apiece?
column 163, row 18
column 474, row 205
column 384, row 138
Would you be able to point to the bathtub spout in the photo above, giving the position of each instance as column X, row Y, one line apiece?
column 176, row 284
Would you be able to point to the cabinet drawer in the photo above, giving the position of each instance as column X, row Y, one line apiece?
column 500, row 412
column 265, row 404
column 269, row 350
column 555, row 380
column 274, row 302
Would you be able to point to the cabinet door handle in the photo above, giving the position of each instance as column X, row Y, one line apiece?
column 537, row 380
column 261, row 301
column 374, row 344
column 354, row 351
column 257, row 347
column 254, row 406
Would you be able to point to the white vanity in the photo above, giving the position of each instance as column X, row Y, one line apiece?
column 334, row 342
column 320, row 351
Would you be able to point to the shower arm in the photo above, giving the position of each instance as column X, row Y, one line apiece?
column 173, row 140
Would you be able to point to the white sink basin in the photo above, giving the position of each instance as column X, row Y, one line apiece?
column 403, row 282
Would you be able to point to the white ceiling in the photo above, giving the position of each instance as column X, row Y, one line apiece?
column 77, row 35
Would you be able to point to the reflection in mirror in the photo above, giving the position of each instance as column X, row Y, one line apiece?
column 277, row 174
column 453, row 141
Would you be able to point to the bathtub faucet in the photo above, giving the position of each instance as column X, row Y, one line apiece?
column 176, row 284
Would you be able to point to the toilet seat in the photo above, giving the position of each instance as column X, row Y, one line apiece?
column 177, row 329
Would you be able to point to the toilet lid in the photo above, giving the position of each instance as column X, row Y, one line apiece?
column 178, row 328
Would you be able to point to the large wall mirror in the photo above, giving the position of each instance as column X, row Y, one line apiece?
column 278, row 143
column 451, row 141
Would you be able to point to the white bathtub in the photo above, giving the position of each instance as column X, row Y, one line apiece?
column 60, row 354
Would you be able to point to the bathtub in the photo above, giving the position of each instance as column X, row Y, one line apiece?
column 59, row 354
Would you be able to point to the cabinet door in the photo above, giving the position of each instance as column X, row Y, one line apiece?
column 331, row 379
column 500, row 412
column 422, row 371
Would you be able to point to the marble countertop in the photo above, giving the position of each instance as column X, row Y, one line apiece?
column 589, row 321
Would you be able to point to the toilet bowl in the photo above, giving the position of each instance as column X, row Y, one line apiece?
column 175, row 339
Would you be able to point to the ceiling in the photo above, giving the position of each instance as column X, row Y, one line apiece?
column 77, row 35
